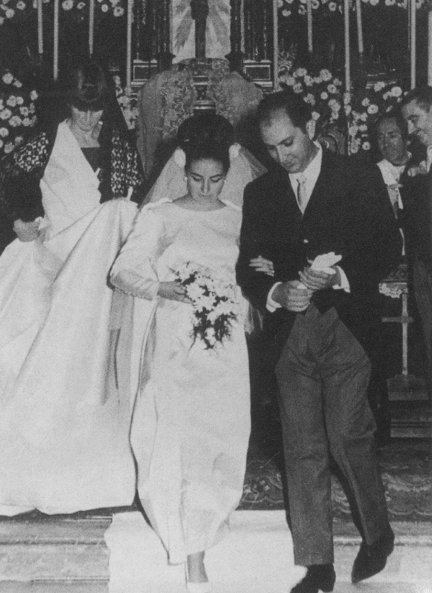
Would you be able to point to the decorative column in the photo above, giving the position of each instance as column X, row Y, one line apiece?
column 347, row 46
column 129, row 18
column 165, row 56
column 275, row 46
column 413, row 39
column 139, row 26
column 56, row 40
column 91, row 27
column 40, row 28
column 199, row 13
column 153, row 29
column 309, row 26
column 429, row 77
column 235, row 56
column 267, row 35
column 359, row 30
column 249, row 42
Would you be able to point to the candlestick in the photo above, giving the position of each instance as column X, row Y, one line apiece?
column 309, row 25
column 413, row 39
column 91, row 27
column 347, row 47
column 359, row 28
column 430, row 47
column 275, row 46
column 40, row 27
column 129, row 44
column 56, row 39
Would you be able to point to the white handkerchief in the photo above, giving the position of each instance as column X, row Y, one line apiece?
column 324, row 263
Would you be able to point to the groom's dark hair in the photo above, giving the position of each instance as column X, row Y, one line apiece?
column 288, row 102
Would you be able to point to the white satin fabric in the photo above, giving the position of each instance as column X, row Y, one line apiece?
column 65, row 343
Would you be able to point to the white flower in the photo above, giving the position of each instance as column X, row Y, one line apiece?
column 7, row 78
column 365, row 102
column 24, row 111
column 9, row 14
column 366, row 146
column 11, row 101
column 325, row 74
column 315, row 115
column 297, row 88
column 286, row 12
column 396, row 91
column 332, row 88
column 27, row 122
column 324, row 95
column 67, row 4
column 20, row 5
column 15, row 121
column 5, row 114
column 300, row 72
column 372, row 109
column 4, row 132
column 332, row 6
column 234, row 151
column 81, row 5
column 308, row 80
column 34, row 95
column 180, row 157
column 19, row 140
column 17, row 83
column 104, row 8
column 118, row 11
column 19, row 100
column 8, row 147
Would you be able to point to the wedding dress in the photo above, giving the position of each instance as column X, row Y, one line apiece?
column 191, row 420
column 65, row 343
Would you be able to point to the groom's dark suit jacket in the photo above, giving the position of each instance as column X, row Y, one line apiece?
column 346, row 215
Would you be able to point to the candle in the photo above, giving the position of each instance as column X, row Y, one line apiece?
column 359, row 28
column 129, row 44
column 413, row 42
column 56, row 39
column 347, row 47
column 429, row 79
column 309, row 25
column 275, row 46
column 91, row 26
column 40, row 27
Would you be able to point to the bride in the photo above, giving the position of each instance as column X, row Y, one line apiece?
column 191, row 420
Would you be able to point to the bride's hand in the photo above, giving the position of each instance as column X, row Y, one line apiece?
column 26, row 231
column 173, row 291
column 260, row 264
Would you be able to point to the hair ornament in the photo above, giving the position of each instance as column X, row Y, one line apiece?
column 180, row 157
column 234, row 151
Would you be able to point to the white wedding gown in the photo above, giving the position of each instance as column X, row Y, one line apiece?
column 65, row 396
column 191, row 420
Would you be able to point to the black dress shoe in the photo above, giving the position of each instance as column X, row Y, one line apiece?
column 372, row 558
column 319, row 577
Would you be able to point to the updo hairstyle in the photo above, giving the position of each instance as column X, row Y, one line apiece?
column 87, row 87
column 206, row 136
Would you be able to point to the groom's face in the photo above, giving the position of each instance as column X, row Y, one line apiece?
column 287, row 144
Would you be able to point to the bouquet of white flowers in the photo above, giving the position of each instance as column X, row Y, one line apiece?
column 214, row 302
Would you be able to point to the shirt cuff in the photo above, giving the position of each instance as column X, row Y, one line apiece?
column 344, row 284
column 272, row 305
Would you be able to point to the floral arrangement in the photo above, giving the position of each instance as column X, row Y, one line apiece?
column 17, row 9
column 364, row 107
column 321, row 90
column 332, row 7
column 214, row 304
column 17, row 111
column 128, row 102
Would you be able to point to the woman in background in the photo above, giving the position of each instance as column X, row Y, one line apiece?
column 64, row 406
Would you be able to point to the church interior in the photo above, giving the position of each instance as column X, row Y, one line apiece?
column 352, row 61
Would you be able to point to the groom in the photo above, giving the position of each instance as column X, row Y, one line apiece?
column 317, row 322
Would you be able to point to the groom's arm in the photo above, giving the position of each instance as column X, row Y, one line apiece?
column 254, row 241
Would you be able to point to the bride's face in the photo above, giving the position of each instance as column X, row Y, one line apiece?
column 205, row 179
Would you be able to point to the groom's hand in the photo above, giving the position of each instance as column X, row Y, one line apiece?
column 292, row 295
column 318, row 279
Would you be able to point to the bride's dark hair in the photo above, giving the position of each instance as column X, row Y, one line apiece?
column 206, row 136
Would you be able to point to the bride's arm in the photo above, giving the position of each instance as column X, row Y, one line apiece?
column 134, row 270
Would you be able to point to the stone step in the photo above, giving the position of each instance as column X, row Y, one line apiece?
column 48, row 554
column 407, row 388
column 411, row 419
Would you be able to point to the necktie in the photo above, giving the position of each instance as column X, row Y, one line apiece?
column 302, row 197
